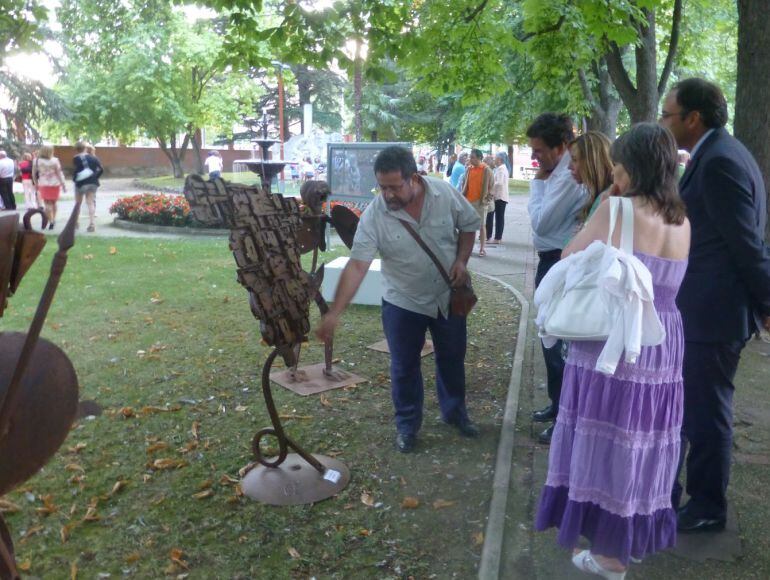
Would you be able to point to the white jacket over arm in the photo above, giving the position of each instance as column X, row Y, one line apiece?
column 625, row 284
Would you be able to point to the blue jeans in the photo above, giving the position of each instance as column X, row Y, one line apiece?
column 405, row 332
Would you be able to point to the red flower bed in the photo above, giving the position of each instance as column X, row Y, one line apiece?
column 153, row 208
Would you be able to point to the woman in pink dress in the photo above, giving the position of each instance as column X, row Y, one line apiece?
column 49, row 181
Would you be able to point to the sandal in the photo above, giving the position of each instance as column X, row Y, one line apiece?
column 585, row 562
column 482, row 253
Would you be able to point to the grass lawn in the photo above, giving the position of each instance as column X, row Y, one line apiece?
column 162, row 337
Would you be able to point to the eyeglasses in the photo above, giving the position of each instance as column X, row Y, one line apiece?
column 665, row 114
column 391, row 188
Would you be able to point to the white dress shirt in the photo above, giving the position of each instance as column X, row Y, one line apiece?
column 554, row 205
column 7, row 168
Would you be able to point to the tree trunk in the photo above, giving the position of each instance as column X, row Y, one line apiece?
column 357, row 85
column 303, row 92
column 752, row 108
column 642, row 100
column 605, row 106
column 174, row 155
column 197, row 138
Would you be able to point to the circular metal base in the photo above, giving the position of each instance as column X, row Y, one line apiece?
column 295, row 481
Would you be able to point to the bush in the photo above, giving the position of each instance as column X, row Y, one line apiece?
column 154, row 208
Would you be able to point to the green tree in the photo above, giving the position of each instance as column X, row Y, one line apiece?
column 25, row 103
column 163, row 78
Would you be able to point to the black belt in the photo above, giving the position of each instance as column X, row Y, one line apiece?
column 549, row 254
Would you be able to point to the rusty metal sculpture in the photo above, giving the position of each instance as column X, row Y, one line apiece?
column 38, row 384
column 268, row 233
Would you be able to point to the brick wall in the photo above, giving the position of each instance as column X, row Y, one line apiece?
column 142, row 161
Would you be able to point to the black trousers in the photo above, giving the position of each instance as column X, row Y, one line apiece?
column 6, row 192
column 554, row 362
column 498, row 216
column 708, row 372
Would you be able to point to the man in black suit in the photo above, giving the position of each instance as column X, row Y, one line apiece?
column 725, row 292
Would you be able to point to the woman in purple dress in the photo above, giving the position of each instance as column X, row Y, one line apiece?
column 615, row 447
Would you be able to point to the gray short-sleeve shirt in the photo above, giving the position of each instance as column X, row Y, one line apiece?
column 410, row 277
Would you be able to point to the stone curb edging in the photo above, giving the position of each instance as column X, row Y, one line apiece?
column 491, row 553
column 179, row 231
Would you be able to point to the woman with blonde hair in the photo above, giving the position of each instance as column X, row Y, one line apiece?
column 591, row 166
column 48, row 179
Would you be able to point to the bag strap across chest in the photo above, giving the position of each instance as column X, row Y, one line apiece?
column 428, row 251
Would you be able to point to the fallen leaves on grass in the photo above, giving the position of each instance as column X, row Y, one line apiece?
column 298, row 417
column 477, row 538
column 48, row 506
column 204, row 494
column 24, row 566
column 151, row 409
column 113, row 250
column 8, row 507
column 120, row 484
column 30, row 532
column 167, row 463
column 159, row 446
column 74, row 467
column 294, row 553
column 229, row 480
column 196, row 430
column 410, row 503
column 176, row 556
column 442, row 503
column 127, row 412
column 76, row 448
column 367, row 499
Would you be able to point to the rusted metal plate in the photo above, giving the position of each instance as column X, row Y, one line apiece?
column 295, row 481
column 45, row 409
column 311, row 379
column 345, row 223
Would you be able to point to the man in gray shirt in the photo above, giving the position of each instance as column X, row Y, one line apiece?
column 415, row 297
column 555, row 202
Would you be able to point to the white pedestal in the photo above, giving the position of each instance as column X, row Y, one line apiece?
column 370, row 291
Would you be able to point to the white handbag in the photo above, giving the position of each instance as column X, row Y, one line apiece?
column 84, row 173
column 580, row 311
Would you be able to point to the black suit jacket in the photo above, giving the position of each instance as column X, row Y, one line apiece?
column 728, row 275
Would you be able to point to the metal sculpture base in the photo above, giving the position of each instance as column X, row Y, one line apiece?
column 295, row 481
column 311, row 379
column 289, row 478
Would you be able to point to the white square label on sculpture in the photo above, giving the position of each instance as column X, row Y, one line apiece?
column 332, row 475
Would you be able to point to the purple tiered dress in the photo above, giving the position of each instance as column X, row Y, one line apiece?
column 615, row 447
